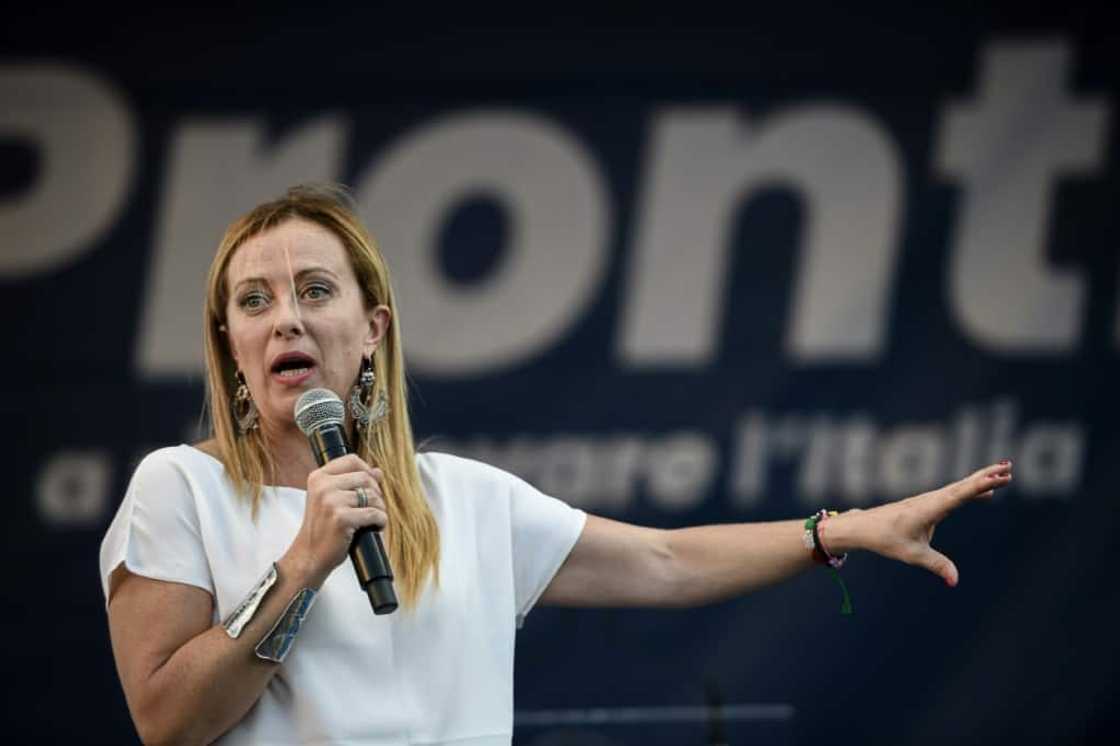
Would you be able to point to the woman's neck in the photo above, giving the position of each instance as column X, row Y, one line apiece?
column 291, row 455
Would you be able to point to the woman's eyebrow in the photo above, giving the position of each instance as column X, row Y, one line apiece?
column 250, row 281
column 316, row 269
column 299, row 275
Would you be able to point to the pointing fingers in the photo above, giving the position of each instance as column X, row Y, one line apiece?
column 982, row 482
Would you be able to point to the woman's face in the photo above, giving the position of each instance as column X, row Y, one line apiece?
column 296, row 318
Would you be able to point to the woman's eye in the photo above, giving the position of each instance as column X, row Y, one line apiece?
column 316, row 292
column 253, row 301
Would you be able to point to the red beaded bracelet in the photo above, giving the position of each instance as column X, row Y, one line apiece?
column 836, row 561
column 821, row 555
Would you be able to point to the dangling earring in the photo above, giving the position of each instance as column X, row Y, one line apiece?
column 243, row 407
column 363, row 409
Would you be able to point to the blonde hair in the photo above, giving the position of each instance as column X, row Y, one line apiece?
column 387, row 444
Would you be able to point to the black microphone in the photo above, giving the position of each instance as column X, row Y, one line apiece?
column 321, row 416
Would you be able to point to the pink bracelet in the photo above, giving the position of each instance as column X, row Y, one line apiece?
column 815, row 544
column 813, row 531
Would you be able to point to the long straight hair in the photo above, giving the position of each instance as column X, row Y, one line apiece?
column 387, row 444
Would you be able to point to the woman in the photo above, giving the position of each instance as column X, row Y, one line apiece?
column 219, row 550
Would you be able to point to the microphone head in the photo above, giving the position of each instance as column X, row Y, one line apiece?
column 319, row 408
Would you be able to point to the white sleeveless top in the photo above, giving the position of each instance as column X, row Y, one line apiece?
column 440, row 673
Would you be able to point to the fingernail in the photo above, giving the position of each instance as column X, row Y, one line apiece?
column 1006, row 461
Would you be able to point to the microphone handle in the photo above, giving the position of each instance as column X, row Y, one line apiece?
column 367, row 551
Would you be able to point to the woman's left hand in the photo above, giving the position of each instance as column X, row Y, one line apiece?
column 903, row 530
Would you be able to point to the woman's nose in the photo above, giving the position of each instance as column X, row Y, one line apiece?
column 287, row 322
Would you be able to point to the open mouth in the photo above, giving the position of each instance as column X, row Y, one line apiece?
column 292, row 365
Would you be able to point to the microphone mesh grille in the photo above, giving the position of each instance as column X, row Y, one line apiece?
column 317, row 408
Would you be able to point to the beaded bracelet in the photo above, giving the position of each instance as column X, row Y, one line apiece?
column 813, row 540
column 821, row 555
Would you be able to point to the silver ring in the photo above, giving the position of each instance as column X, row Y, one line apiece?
column 363, row 501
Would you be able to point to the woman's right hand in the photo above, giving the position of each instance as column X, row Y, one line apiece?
column 331, row 515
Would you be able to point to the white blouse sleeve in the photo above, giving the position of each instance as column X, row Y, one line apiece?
column 544, row 530
column 156, row 530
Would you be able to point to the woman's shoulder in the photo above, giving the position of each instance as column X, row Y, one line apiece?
column 199, row 458
column 207, row 447
column 442, row 465
column 446, row 474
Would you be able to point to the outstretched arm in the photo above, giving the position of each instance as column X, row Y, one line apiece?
column 618, row 564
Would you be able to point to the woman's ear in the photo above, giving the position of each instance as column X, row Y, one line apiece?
column 379, row 320
column 224, row 331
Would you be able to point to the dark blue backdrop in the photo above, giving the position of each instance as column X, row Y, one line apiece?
column 931, row 374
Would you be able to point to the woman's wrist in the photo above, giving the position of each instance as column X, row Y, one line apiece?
column 298, row 567
column 842, row 533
